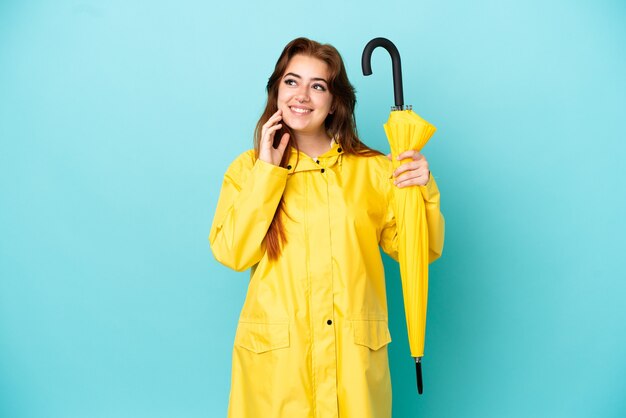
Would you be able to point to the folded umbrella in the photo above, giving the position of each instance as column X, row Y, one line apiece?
column 407, row 131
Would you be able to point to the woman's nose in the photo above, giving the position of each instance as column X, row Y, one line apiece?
column 302, row 95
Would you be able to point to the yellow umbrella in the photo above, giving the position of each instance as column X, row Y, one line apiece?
column 405, row 131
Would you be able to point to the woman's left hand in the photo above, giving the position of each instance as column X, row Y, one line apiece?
column 412, row 173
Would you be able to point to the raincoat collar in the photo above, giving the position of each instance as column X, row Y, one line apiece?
column 299, row 161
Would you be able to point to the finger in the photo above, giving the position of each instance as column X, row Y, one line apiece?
column 405, row 154
column 277, row 113
column 419, row 173
column 273, row 119
column 389, row 156
column 283, row 144
column 268, row 135
column 412, row 165
column 273, row 128
column 417, row 165
column 412, row 154
column 404, row 167
column 413, row 181
column 405, row 177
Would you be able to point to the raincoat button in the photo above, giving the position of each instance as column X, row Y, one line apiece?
column 329, row 322
column 317, row 161
column 339, row 150
column 289, row 167
column 322, row 170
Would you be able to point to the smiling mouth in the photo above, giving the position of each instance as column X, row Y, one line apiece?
column 300, row 110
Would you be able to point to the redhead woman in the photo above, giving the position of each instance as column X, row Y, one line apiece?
column 306, row 211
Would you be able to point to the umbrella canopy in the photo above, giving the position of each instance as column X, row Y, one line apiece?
column 407, row 131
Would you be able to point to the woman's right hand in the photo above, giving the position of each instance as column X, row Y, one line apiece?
column 267, row 152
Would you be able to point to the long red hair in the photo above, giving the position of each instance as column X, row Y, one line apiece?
column 341, row 124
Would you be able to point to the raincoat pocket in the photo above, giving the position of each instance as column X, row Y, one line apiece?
column 373, row 334
column 260, row 337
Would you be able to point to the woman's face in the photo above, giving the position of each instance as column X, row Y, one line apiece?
column 303, row 95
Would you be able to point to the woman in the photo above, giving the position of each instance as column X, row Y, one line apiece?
column 307, row 210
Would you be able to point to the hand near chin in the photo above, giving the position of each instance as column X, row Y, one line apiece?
column 267, row 152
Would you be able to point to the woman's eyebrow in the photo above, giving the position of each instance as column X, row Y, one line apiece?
column 314, row 78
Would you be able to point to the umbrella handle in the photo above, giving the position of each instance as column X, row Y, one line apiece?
column 366, row 64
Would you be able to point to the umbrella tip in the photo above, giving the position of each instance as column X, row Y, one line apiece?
column 418, row 375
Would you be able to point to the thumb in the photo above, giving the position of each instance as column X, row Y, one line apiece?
column 389, row 156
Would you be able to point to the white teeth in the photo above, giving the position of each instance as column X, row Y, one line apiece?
column 298, row 110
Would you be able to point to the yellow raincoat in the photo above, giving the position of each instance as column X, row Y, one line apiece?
column 312, row 336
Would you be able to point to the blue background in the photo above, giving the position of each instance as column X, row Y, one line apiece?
column 119, row 118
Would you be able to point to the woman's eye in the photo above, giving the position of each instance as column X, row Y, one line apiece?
column 319, row 87
column 290, row 82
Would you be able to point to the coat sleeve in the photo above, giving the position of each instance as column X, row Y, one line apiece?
column 434, row 220
column 251, row 192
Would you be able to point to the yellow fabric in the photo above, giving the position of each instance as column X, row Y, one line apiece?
column 406, row 130
column 288, row 360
